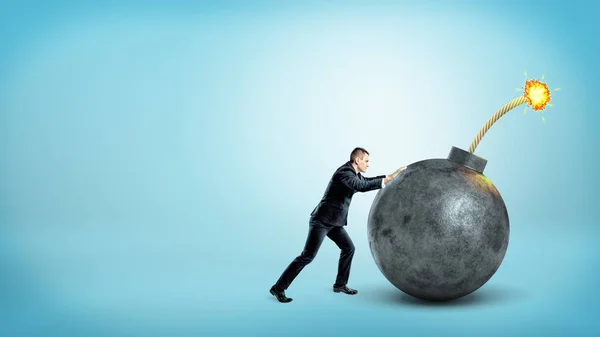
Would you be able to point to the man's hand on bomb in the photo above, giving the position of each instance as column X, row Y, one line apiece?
column 389, row 177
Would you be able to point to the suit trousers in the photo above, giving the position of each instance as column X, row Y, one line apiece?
column 316, row 235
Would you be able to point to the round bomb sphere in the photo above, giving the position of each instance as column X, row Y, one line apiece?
column 440, row 229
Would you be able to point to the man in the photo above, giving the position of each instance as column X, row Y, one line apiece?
column 329, row 218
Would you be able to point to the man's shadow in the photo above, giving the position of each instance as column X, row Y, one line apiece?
column 487, row 295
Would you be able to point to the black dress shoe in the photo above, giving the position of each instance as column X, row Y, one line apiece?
column 345, row 289
column 280, row 294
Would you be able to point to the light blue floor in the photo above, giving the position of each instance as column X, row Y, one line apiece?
column 546, row 286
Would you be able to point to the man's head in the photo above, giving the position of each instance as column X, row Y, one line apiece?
column 360, row 159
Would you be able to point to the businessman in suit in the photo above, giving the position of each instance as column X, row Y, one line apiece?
column 329, row 218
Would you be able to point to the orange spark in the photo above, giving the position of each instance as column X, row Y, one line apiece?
column 537, row 94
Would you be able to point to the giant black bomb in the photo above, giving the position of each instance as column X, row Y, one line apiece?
column 440, row 229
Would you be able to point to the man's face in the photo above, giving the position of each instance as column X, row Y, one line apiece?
column 363, row 163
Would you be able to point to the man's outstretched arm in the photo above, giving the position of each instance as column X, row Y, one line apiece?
column 389, row 176
column 366, row 184
column 351, row 180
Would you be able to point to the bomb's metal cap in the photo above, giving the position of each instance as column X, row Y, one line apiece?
column 467, row 159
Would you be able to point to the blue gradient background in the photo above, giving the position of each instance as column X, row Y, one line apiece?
column 160, row 161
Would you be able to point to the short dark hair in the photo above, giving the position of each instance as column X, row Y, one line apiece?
column 357, row 152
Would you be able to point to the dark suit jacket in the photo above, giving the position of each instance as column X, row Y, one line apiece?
column 333, row 208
